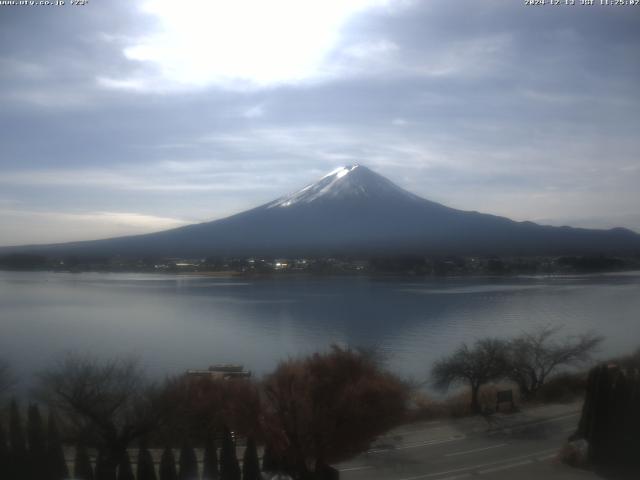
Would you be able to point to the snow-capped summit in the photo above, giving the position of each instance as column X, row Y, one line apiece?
column 348, row 182
column 353, row 210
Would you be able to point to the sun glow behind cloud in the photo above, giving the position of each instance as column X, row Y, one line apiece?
column 48, row 226
column 241, row 43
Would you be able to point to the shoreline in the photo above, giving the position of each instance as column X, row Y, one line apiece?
column 338, row 274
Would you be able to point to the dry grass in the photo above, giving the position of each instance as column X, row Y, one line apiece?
column 563, row 388
column 459, row 404
column 426, row 408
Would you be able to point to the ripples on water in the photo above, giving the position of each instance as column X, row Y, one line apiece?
column 172, row 323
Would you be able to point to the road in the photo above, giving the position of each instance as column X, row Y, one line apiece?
column 522, row 446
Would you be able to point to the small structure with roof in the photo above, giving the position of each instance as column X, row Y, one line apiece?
column 224, row 371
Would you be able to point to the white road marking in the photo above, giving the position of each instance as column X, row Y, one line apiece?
column 547, row 457
column 455, row 454
column 538, row 422
column 353, row 469
column 456, row 477
column 436, row 474
column 465, row 475
column 505, row 467
column 462, row 437
column 392, row 435
column 468, row 471
column 475, row 467
column 418, row 445
column 433, row 442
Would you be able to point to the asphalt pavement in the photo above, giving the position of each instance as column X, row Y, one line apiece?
column 522, row 445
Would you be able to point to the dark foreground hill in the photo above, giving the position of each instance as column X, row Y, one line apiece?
column 355, row 211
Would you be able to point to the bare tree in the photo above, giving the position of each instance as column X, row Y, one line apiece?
column 486, row 361
column 534, row 356
column 328, row 407
column 110, row 401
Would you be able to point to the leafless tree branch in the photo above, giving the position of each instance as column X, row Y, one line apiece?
column 533, row 356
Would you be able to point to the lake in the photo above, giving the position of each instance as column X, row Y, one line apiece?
column 172, row 323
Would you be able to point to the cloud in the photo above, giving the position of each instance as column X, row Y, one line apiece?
column 243, row 44
column 70, row 226
column 256, row 111
column 122, row 83
column 168, row 176
column 367, row 50
column 451, row 100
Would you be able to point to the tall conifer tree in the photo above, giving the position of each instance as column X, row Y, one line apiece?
column 18, row 460
column 82, row 465
column 250, row 463
column 145, row 470
column 56, row 463
column 229, row 468
column 210, row 470
column 4, row 454
column 188, row 463
column 168, row 465
column 37, row 457
column 125, row 472
column 269, row 463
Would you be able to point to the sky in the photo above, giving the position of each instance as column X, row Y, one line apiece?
column 120, row 117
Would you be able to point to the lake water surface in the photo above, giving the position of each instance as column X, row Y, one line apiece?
column 172, row 323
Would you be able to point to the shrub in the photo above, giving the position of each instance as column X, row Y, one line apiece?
column 574, row 454
column 564, row 387
column 328, row 407
column 199, row 406
column 426, row 408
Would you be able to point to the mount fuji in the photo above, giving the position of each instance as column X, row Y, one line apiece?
column 353, row 210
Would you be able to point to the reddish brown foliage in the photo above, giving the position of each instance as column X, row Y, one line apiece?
column 328, row 407
column 204, row 405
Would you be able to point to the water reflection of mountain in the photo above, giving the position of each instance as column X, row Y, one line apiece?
column 175, row 323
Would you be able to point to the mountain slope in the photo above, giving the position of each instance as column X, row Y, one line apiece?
column 356, row 211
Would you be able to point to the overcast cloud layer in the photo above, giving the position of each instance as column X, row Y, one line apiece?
column 123, row 117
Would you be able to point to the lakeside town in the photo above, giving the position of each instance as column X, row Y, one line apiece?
column 329, row 265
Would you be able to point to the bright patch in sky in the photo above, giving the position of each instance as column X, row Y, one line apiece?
column 243, row 43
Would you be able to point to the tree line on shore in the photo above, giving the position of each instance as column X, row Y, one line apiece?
column 309, row 413
column 334, row 264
